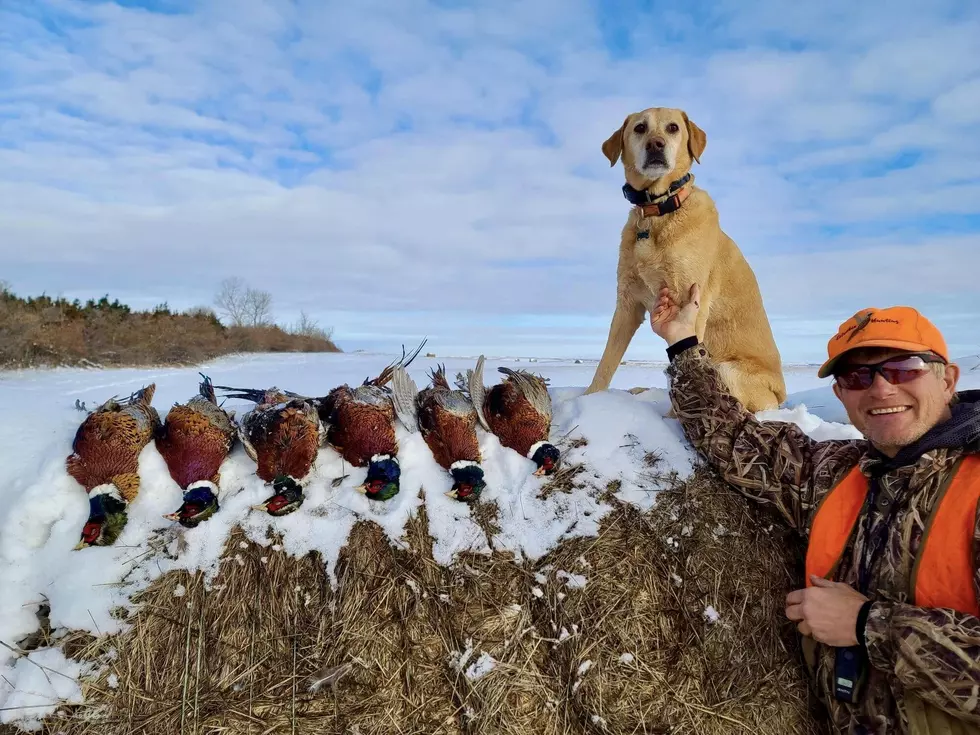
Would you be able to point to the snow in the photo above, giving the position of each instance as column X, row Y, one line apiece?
column 627, row 658
column 711, row 615
column 583, row 669
column 42, row 509
column 572, row 581
column 458, row 659
column 37, row 684
column 481, row 667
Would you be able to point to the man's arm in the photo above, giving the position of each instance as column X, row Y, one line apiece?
column 773, row 462
column 934, row 653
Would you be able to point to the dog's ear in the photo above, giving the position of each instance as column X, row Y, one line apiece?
column 696, row 139
column 613, row 147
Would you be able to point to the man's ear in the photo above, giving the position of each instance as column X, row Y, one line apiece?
column 836, row 391
column 696, row 139
column 613, row 147
column 950, row 379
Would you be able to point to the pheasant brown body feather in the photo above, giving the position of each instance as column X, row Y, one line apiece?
column 282, row 434
column 109, row 441
column 285, row 439
column 196, row 438
column 514, row 419
column 360, row 423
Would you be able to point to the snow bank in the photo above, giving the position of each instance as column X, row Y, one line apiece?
column 615, row 436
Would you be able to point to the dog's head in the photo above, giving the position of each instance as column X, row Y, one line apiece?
column 657, row 143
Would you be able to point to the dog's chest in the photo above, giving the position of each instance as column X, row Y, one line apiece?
column 647, row 247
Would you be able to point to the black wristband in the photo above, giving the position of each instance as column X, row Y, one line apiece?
column 862, row 623
column 680, row 346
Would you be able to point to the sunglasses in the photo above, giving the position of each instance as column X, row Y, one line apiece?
column 895, row 370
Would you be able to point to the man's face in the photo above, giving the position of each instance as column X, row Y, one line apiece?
column 894, row 416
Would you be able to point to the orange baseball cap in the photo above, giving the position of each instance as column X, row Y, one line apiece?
column 901, row 327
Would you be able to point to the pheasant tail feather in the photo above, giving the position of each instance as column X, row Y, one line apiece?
column 207, row 389
column 477, row 391
column 403, row 396
column 385, row 376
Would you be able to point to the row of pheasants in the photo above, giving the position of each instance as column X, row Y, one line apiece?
column 284, row 432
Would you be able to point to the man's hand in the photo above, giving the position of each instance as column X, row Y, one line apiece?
column 828, row 611
column 672, row 321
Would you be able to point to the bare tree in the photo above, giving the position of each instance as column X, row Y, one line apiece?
column 258, row 308
column 243, row 306
column 308, row 327
column 230, row 301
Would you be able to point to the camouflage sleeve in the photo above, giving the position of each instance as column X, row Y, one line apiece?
column 773, row 462
column 934, row 653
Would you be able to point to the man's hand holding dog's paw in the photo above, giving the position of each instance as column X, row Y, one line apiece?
column 672, row 321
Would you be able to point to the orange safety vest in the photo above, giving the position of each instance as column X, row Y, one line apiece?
column 943, row 571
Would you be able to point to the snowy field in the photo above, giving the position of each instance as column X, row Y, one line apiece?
column 42, row 510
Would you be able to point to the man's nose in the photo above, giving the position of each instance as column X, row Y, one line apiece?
column 881, row 388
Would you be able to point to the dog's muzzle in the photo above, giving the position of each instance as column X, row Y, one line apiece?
column 655, row 159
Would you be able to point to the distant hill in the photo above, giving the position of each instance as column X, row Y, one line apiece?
column 41, row 331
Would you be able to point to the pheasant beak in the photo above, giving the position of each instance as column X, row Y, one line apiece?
column 172, row 516
column 540, row 472
column 452, row 494
column 362, row 489
column 80, row 545
column 262, row 507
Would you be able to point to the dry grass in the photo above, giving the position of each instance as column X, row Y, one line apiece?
column 658, row 664
column 396, row 646
column 32, row 335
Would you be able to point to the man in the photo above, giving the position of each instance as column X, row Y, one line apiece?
column 890, row 611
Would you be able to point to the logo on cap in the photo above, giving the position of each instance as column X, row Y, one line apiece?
column 861, row 320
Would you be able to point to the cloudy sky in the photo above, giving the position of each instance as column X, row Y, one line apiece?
column 406, row 167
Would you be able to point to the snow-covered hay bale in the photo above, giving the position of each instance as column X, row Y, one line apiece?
column 666, row 621
column 630, row 593
column 673, row 620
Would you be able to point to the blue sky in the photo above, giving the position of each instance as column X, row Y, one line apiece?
column 406, row 168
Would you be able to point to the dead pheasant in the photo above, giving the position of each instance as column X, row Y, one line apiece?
column 282, row 434
column 194, row 440
column 518, row 411
column 105, row 461
column 447, row 420
column 360, row 426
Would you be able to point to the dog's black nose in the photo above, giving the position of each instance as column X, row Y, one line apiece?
column 656, row 144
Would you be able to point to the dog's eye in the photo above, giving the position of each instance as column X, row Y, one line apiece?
column 640, row 128
column 672, row 128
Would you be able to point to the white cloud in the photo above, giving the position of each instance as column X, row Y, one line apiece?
column 376, row 158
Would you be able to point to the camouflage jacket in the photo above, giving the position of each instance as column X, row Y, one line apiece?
column 917, row 655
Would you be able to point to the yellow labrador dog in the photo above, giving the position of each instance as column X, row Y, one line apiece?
column 672, row 239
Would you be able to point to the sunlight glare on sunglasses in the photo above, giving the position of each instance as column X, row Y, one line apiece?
column 895, row 370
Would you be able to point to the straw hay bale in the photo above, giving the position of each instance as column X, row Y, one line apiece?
column 644, row 652
column 606, row 635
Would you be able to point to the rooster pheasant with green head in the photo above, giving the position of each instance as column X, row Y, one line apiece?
column 105, row 461
column 360, row 426
column 194, row 440
column 518, row 411
column 447, row 421
column 282, row 434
